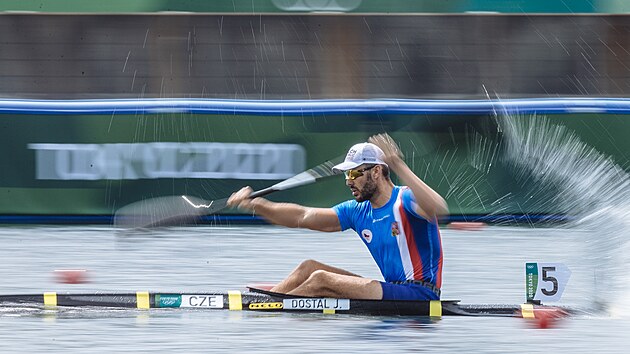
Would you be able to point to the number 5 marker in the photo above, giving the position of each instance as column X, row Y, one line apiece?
column 545, row 281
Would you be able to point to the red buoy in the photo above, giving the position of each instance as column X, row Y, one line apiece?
column 548, row 317
column 467, row 226
column 71, row 276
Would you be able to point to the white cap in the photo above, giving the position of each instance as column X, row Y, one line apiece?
column 360, row 154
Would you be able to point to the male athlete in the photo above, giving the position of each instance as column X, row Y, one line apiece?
column 397, row 224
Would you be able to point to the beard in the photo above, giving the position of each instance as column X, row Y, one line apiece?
column 368, row 190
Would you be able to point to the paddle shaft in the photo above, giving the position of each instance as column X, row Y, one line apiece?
column 307, row 177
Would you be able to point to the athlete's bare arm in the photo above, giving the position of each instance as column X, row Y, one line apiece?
column 431, row 204
column 287, row 214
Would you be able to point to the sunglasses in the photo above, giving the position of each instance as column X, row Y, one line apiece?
column 354, row 174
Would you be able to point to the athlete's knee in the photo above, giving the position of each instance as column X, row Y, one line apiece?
column 322, row 283
column 320, row 277
column 309, row 266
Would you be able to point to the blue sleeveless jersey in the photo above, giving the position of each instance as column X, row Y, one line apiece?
column 404, row 245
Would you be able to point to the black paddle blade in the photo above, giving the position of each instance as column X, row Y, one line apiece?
column 162, row 211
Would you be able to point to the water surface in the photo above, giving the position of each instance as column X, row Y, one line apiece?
column 480, row 267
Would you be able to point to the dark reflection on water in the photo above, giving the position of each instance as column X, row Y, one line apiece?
column 383, row 325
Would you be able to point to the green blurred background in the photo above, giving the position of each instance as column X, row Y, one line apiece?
column 282, row 50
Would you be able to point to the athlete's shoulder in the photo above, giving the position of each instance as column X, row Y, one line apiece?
column 350, row 206
column 347, row 204
column 349, row 213
column 409, row 201
column 405, row 192
column 402, row 192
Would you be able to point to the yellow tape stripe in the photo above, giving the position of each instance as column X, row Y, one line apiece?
column 527, row 310
column 329, row 311
column 435, row 308
column 234, row 300
column 142, row 300
column 50, row 299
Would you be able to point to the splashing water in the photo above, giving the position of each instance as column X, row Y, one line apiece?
column 586, row 185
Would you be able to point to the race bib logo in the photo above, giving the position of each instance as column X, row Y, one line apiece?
column 367, row 235
column 395, row 229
